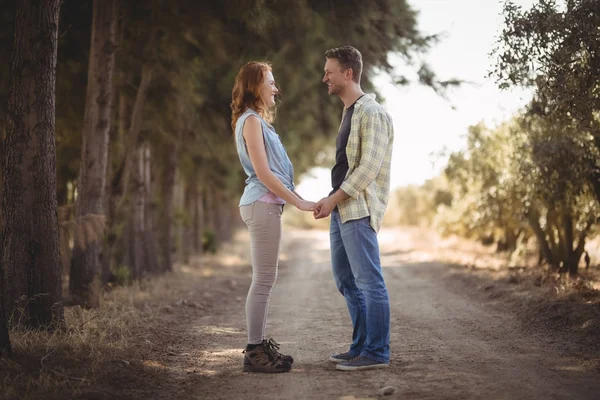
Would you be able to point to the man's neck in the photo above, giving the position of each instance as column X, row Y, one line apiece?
column 350, row 96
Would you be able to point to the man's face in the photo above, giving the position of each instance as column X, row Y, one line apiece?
column 335, row 77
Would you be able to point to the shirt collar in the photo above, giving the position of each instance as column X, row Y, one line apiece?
column 363, row 99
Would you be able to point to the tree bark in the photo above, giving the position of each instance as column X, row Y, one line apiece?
column 29, row 251
column 179, row 204
column 150, row 245
column 121, row 181
column 169, row 173
column 188, row 223
column 210, row 210
column 85, row 282
column 223, row 218
column 580, row 249
column 5, row 347
column 541, row 238
column 198, row 221
column 143, row 250
column 138, row 229
column 114, row 190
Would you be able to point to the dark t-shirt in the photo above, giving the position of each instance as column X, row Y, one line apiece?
column 338, row 173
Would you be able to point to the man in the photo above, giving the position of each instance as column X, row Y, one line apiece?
column 360, row 181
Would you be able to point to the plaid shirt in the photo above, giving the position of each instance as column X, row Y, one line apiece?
column 369, row 152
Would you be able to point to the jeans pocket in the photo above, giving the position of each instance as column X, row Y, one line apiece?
column 359, row 223
column 274, row 209
column 367, row 222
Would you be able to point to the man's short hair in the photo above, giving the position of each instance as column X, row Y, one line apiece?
column 350, row 58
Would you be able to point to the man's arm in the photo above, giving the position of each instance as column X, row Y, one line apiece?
column 374, row 139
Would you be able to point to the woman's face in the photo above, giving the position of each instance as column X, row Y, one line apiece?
column 268, row 90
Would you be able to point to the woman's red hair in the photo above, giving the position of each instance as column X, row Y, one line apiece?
column 246, row 92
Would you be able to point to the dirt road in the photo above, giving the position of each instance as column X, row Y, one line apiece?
column 448, row 341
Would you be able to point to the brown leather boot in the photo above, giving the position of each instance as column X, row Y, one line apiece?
column 262, row 358
column 274, row 346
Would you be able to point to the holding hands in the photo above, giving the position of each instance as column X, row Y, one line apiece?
column 323, row 208
column 305, row 205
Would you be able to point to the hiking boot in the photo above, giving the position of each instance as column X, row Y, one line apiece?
column 274, row 347
column 342, row 357
column 360, row 363
column 261, row 358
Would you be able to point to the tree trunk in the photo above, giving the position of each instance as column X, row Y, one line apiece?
column 114, row 191
column 138, row 229
column 179, row 204
column 595, row 175
column 107, row 256
column 198, row 221
column 135, row 127
column 210, row 210
column 144, row 258
column 150, row 245
column 29, row 251
column 223, row 218
column 5, row 347
column 170, row 170
column 580, row 249
column 85, row 281
column 188, row 225
column 545, row 250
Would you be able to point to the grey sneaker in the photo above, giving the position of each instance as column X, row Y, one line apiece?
column 360, row 363
column 342, row 357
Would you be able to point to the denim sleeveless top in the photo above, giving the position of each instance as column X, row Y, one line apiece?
column 277, row 158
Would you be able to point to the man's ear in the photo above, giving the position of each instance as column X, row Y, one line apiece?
column 348, row 73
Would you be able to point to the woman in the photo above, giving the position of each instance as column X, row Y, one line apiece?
column 269, row 186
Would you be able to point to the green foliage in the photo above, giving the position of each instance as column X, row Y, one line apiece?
column 482, row 176
column 122, row 275
column 418, row 205
column 209, row 241
column 199, row 59
column 194, row 50
column 514, row 182
column 555, row 48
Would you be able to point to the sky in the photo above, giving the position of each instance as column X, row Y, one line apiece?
column 426, row 124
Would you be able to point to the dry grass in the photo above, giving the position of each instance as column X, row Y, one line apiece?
column 104, row 353
column 122, row 349
column 50, row 364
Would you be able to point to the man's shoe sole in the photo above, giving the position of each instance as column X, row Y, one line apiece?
column 337, row 360
column 343, row 367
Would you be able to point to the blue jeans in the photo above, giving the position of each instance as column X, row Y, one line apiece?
column 357, row 274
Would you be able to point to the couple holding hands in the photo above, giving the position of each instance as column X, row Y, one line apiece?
column 360, row 182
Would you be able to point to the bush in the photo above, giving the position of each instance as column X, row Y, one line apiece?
column 122, row 276
column 209, row 241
